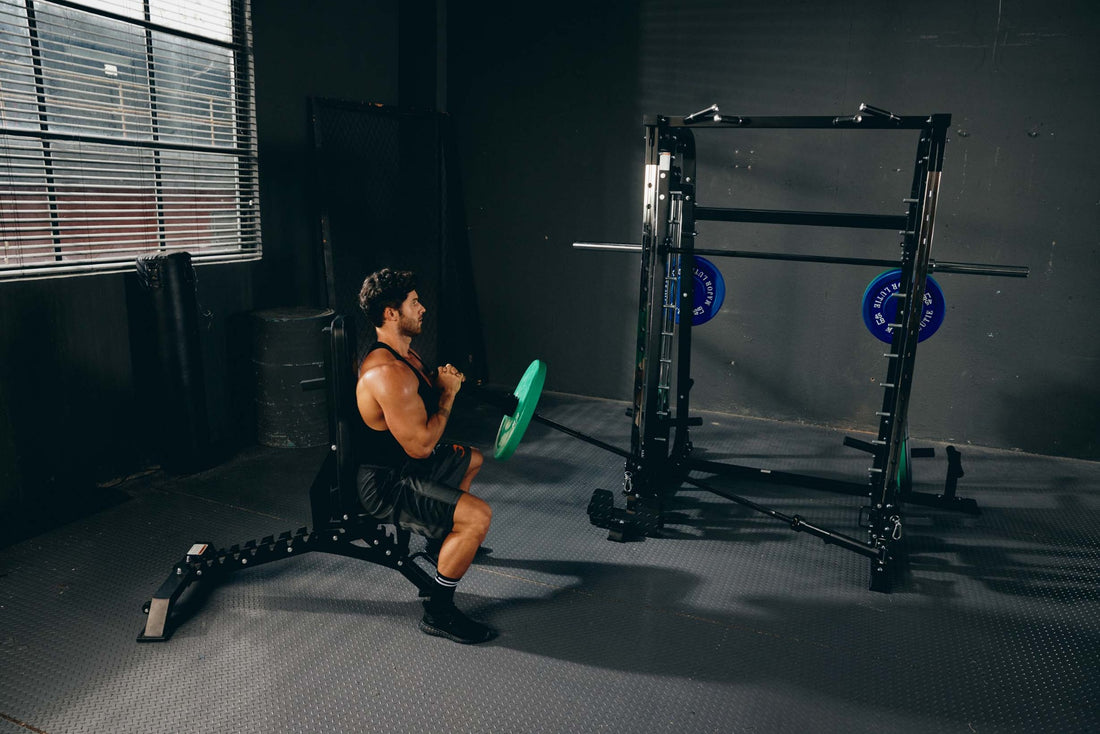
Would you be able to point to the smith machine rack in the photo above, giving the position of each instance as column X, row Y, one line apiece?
column 660, row 457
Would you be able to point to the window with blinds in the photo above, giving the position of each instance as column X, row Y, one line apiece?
column 126, row 129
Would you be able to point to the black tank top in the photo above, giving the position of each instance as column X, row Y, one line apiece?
column 380, row 448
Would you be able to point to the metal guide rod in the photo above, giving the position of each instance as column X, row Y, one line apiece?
column 893, row 424
column 936, row 266
column 649, row 233
column 906, row 338
column 650, row 440
column 685, row 244
column 669, row 305
column 797, row 523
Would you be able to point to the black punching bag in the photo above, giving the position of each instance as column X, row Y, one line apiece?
column 178, row 404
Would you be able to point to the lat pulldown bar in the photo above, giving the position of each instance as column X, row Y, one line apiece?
column 713, row 119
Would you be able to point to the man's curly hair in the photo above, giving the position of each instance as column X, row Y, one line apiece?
column 385, row 289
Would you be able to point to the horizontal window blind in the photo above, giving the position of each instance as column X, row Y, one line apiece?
column 126, row 129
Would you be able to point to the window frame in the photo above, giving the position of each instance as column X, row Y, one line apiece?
column 233, row 226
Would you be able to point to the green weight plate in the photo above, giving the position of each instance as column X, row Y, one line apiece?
column 512, row 427
column 905, row 476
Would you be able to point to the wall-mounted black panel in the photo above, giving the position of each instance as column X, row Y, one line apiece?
column 385, row 186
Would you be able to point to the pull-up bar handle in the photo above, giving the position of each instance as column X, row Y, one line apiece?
column 855, row 122
column 711, row 112
column 878, row 112
column 816, row 219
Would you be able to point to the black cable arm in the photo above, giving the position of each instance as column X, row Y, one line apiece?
column 797, row 523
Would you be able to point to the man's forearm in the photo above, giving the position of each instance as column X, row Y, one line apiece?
column 438, row 421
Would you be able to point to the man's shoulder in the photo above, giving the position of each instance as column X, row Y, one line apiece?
column 381, row 371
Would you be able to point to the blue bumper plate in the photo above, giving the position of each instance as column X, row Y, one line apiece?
column 880, row 306
column 709, row 292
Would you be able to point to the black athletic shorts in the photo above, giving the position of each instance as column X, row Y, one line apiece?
column 419, row 496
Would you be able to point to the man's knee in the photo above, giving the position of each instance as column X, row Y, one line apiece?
column 472, row 514
column 484, row 514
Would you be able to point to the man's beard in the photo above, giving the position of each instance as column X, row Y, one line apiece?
column 409, row 326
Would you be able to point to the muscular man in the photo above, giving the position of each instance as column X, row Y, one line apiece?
column 407, row 476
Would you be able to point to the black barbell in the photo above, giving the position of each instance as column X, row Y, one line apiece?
column 519, row 410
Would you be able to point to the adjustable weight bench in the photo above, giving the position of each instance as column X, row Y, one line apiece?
column 339, row 524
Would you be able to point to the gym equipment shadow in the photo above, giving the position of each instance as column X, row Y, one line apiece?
column 607, row 615
column 50, row 509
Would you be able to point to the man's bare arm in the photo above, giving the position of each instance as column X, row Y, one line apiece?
column 395, row 390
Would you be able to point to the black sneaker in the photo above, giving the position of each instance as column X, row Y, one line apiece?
column 454, row 625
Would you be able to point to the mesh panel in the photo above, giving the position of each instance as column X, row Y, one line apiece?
column 379, row 178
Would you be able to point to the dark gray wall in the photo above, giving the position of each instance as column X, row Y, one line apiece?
column 546, row 102
column 550, row 113
column 65, row 373
column 76, row 408
column 342, row 50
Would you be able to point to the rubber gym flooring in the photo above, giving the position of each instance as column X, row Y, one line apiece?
column 731, row 623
